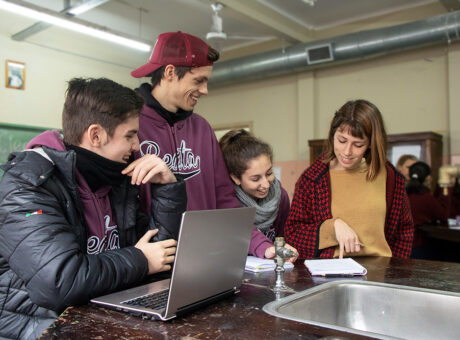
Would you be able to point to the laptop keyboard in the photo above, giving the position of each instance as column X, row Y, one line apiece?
column 153, row 301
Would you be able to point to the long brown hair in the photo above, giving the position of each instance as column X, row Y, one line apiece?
column 362, row 119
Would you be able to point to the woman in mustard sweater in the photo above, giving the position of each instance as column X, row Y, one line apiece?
column 351, row 201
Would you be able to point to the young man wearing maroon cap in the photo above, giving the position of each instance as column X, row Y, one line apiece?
column 180, row 67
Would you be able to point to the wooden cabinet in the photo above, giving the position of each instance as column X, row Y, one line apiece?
column 317, row 147
column 427, row 146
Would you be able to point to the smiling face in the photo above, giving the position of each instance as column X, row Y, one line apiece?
column 187, row 90
column 348, row 150
column 257, row 178
column 123, row 143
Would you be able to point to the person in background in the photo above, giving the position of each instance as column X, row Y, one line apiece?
column 426, row 209
column 403, row 164
column 351, row 201
column 71, row 228
column 455, row 205
column 180, row 67
column 249, row 163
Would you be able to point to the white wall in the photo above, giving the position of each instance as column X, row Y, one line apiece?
column 48, row 70
column 411, row 90
column 415, row 90
column 453, row 94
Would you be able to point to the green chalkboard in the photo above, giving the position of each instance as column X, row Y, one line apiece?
column 15, row 138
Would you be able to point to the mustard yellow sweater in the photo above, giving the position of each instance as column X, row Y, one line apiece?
column 362, row 205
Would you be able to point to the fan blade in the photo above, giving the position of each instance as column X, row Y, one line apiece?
column 257, row 38
column 216, row 36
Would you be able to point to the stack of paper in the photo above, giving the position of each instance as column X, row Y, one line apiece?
column 255, row 264
column 335, row 267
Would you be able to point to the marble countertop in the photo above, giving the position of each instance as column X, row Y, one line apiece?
column 241, row 316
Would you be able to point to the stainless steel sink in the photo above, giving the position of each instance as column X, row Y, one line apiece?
column 374, row 309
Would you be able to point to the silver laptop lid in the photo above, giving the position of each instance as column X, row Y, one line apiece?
column 211, row 254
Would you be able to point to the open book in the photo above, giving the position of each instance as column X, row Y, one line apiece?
column 335, row 267
column 255, row 264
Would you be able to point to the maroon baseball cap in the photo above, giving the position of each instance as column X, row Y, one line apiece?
column 178, row 49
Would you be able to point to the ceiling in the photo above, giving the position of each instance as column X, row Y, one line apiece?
column 292, row 21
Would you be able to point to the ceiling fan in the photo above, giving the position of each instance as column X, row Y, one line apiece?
column 216, row 36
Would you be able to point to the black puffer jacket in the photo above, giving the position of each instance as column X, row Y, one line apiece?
column 44, row 266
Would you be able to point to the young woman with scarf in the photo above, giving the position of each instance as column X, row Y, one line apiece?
column 249, row 163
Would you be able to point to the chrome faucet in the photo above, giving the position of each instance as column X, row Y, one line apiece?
column 281, row 254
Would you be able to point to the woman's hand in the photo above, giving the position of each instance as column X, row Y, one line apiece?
column 270, row 253
column 347, row 238
column 292, row 259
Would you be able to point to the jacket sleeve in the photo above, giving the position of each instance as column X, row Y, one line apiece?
column 259, row 243
column 43, row 249
column 402, row 245
column 169, row 201
column 301, row 230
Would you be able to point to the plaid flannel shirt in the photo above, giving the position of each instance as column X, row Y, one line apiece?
column 311, row 206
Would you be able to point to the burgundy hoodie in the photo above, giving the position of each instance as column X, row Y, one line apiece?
column 190, row 149
column 102, row 227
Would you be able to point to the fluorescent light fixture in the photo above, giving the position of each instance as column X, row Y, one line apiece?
column 85, row 6
column 73, row 24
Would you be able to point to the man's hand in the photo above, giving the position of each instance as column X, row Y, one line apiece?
column 347, row 238
column 160, row 254
column 149, row 168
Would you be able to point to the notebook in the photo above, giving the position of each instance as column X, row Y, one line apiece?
column 256, row 265
column 209, row 265
column 335, row 267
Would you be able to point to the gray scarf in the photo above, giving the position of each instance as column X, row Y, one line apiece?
column 266, row 208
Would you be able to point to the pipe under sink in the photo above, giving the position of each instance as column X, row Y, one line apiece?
column 374, row 309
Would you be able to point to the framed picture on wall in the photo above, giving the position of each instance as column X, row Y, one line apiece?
column 15, row 75
column 222, row 129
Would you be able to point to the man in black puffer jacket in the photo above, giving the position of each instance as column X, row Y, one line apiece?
column 70, row 224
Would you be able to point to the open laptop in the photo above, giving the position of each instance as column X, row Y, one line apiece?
column 210, row 258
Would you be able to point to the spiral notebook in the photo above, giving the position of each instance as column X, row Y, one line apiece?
column 335, row 267
column 256, row 265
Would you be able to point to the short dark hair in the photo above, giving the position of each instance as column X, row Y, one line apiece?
column 181, row 71
column 362, row 119
column 239, row 147
column 418, row 172
column 96, row 101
